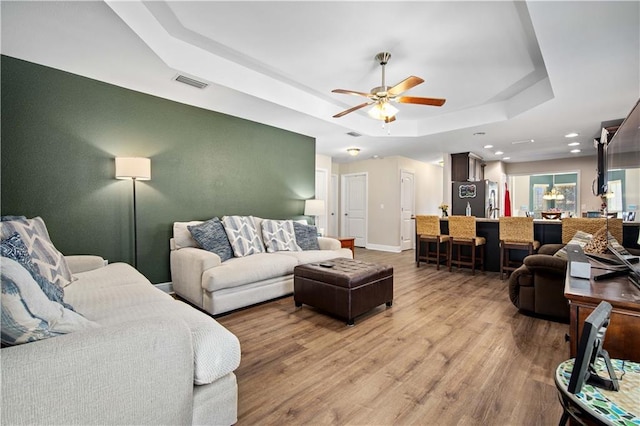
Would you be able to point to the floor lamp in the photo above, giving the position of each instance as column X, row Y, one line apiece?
column 134, row 168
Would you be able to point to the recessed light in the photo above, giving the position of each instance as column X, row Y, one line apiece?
column 499, row 152
column 506, row 158
column 488, row 146
column 571, row 135
column 574, row 144
column 574, row 151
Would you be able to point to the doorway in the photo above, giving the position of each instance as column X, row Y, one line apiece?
column 407, row 207
column 354, row 207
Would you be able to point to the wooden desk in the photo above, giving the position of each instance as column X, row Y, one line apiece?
column 622, row 340
column 347, row 242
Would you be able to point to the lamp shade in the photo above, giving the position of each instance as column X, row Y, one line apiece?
column 314, row 207
column 133, row 168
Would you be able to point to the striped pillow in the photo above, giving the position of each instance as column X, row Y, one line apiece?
column 242, row 234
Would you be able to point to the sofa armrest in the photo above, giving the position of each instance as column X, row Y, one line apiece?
column 83, row 263
column 328, row 243
column 187, row 266
column 546, row 264
column 132, row 373
column 550, row 249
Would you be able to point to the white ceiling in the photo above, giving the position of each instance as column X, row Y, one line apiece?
column 514, row 71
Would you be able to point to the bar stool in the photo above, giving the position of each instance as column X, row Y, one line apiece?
column 462, row 232
column 516, row 233
column 428, row 230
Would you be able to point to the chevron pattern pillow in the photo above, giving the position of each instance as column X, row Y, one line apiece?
column 278, row 235
column 50, row 263
column 242, row 234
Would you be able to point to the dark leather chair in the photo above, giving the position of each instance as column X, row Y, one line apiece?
column 537, row 286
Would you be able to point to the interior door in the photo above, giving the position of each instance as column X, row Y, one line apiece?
column 333, row 206
column 407, row 207
column 354, row 201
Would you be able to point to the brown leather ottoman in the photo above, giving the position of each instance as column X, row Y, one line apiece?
column 347, row 288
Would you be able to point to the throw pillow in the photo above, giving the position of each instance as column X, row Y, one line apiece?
column 14, row 248
column 50, row 263
column 27, row 314
column 242, row 234
column 212, row 237
column 306, row 236
column 278, row 235
column 598, row 244
column 580, row 238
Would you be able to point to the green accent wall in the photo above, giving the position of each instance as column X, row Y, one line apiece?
column 61, row 133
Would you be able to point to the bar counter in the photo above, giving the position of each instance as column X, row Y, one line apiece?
column 547, row 231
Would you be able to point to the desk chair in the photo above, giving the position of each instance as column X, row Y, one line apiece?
column 428, row 230
column 462, row 232
column 516, row 233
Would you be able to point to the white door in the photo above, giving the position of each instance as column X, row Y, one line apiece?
column 354, row 207
column 333, row 207
column 321, row 194
column 407, row 206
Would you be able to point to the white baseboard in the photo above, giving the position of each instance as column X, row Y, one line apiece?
column 379, row 247
column 166, row 287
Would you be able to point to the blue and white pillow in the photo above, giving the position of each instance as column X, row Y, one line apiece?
column 212, row 237
column 242, row 234
column 50, row 263
column 278, row 235
column 27, row 314
column 14, row 248
column 306, row 236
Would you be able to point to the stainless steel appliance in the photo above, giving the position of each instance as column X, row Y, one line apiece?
column 481, row 195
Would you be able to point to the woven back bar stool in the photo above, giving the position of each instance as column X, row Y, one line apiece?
column 516, row 233
column 428, row 230
column 571, row 225
column 462, row 232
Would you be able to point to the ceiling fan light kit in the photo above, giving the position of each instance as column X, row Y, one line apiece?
column 382, row 96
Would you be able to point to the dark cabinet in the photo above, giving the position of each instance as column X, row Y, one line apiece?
column 466, row 166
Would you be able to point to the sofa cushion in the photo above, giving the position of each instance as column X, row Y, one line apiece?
column 580, row 238
column 27, row 314
column 245, row 270
column 212, row 237
column 182, row 236
column 306, row 236
column 47, row 259
column 14, row 248
column 243, row 236
column 278, row 235
column 310, row 256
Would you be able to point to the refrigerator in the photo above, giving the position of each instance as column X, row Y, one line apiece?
column 481, row 195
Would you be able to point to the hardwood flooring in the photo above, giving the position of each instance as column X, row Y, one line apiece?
column 452, row 350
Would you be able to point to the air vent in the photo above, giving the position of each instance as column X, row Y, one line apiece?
column 190, row 81
column 522, row 141
column 354, row 134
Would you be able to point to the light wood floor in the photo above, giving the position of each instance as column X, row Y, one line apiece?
column 452, row 350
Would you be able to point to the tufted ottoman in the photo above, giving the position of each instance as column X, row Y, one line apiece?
column 343, row 287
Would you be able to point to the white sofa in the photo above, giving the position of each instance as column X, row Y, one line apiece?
column 150, row 360
column 200, row 277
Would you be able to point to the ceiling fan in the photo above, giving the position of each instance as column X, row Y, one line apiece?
column 383, row 95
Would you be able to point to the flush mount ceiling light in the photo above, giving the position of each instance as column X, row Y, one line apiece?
column 571, row 135
column 574, row 144
column 353, row 151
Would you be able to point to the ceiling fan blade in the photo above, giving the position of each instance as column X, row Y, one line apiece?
column 421, row 101
column 351, row 92
column 405, row 85
column 357, row 107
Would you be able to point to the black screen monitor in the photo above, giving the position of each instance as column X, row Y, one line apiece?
column 590, row 349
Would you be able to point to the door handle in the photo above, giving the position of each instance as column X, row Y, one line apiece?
column 346, row 214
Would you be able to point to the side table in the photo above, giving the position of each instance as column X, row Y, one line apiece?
column 347, row 242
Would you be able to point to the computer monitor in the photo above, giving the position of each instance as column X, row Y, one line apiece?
column 590, row 349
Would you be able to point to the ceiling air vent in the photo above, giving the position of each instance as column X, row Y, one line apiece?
column 354, row 134
column 190, row 81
